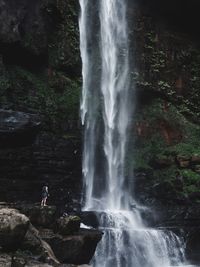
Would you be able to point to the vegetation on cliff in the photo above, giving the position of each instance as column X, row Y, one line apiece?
column 44, row 77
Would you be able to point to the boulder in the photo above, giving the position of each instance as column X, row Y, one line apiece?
column 13, row 227
column 38, row 247
column 78, row 248
column 17, row 128
column 67, row 225
column 5, row 260
column 39, row 216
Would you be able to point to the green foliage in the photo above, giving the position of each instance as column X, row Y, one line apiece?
column 64, row 43
column 167, row 174
column 154, row 146
column 170, row 71
column 139, row 161
column 54, row 90
column 56, row 98
column 190, row 144
column 191, row 176
column 191, row 181
column 190, row 189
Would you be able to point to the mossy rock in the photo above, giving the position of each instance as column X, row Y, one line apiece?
column 40, row 216
column 67, row 225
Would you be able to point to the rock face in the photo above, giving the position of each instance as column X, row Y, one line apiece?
column 55, row 160
column 193, row 244
column 13, row 227
column 20, row 22
column 40, row 74
column 17, row 129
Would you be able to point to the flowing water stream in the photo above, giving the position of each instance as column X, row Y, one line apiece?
column 107, row 106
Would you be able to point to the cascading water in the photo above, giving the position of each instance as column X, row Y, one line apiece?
column 106, row 110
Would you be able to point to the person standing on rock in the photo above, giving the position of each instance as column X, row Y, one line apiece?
column 45, row 194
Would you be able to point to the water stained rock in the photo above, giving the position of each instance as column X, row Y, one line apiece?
column 18, row 129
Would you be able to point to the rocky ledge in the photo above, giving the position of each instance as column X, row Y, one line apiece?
column 57, row 241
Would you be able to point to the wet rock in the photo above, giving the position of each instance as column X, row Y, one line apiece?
column 78, row 248
column 181, row 216
column 89, row 218
column 67, row 225
column 35, row 263
column 17, row 128
column 193, row 244
column 13, row 227
column 163, row 190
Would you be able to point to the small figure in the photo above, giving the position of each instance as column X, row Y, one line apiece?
column 45, row 194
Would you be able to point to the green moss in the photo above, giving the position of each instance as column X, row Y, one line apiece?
column 55, row 98
column 170, row 65
column 191, row 176
column 190, row 189
column 75, row 218
column 140, row 163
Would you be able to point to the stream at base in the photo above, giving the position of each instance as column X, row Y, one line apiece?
column 127, row 243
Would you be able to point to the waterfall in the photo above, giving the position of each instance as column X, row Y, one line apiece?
column 106, row 111
column 110, row 99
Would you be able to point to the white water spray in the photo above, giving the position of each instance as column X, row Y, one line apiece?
column 106, row 110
